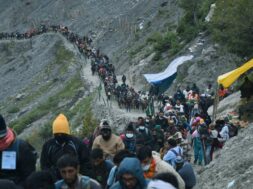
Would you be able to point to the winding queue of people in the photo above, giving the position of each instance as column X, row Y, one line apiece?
column 125, row 95
column 152, row 152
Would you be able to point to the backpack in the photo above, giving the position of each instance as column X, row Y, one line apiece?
column 180, row 154
column 232, row 130
column 177, row 154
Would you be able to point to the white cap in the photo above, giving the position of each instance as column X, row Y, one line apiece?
column 159, row 184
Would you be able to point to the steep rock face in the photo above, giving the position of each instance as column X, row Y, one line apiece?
column 229, row 104
column 233, row 169
column 209, row 61
column 111, row 23
column 24, row 61
column 35, row 75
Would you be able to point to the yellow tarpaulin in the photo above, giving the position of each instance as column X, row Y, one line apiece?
column 229, row 78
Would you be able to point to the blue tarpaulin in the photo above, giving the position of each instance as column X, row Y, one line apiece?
column 164, row 79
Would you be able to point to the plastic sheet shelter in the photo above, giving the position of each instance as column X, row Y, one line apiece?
column 164, row 79
column 229, row 78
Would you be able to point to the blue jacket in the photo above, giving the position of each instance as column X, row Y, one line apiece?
column 131, row 166
column 172, row 154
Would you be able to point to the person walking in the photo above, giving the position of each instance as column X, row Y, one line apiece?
column 62, row 143
column 17, row 157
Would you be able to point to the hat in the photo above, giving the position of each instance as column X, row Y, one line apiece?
column 61, row 125
column 160, row 184
column 105, row 125
column 130, row 127
column 3, row 127
column 179, row 159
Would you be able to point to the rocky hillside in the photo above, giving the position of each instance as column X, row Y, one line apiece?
column 111, row 23
column 40, row 78
column 46, row 75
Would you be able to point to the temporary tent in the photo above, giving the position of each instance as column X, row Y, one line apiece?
column 229, row 78
column 164, row 79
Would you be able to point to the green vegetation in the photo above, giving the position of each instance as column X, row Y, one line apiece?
column 193, row 21
column 51, row 105
column 13, row 109
column 231, row 26
column 63, row 57
column 136, row 50
column 167, row 42
column 89, row 122
column 33, row 95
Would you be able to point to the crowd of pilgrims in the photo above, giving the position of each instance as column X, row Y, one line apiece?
column 152, row 151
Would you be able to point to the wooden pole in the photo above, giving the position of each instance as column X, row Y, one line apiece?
column 216, row 103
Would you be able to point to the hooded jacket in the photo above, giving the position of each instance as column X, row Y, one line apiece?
column 130, row 166
column 164, row 167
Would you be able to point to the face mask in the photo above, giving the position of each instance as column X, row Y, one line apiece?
column 106, row 134
column 141, row 127
column 129, row 135
column 106, row 137
column 145, row 167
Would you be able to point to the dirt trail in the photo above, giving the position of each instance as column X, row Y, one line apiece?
column 102, row 107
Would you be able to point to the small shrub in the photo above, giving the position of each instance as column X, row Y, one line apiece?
column 13, row 109
column 155, row 37
column 168, row 41
column 63, row 55
column 194, row 19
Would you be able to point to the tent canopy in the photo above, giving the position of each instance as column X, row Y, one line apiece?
column 229, row 78
column 169, row 72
